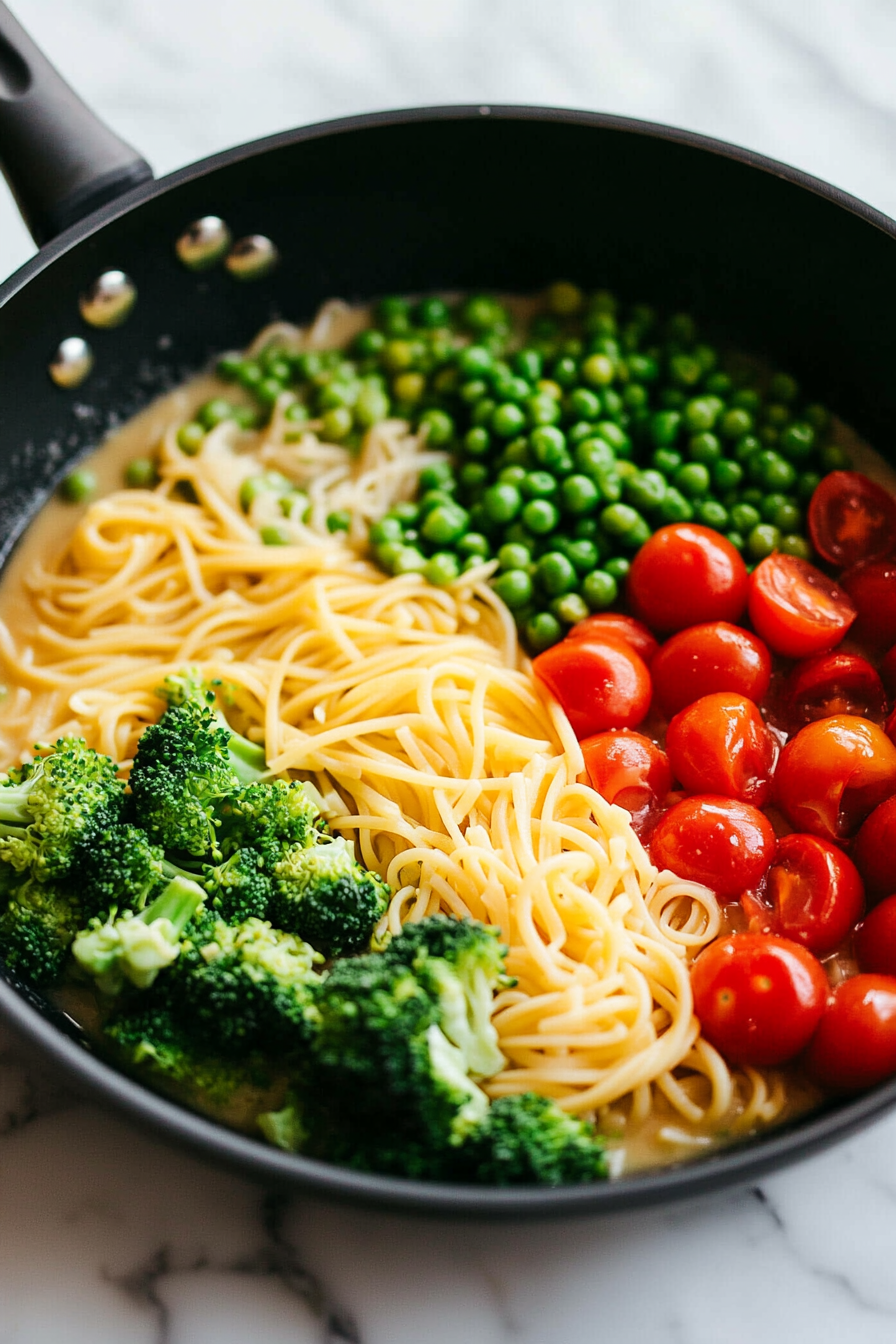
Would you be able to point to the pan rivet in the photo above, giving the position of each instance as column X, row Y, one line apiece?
column 252, row 257
column 71, row 363
column 109, row 299
column 203, row 242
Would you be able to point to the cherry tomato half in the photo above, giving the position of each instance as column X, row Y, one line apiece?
column 725, row 844
column 686, row 574
column 833, row 773
column 833, row 683
column 855, row 1044
column 600, row 684
column 759, row 998
column 816, row 892
column 720, row 744
column 617, row 626
column 872, row 590
column 711, row 657
column 874, row 851
column 628, row 769
column 851, row 518
column 875, row 941
column 795, row 608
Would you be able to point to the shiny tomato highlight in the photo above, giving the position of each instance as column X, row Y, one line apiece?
column 759, row 997
column 872, row 590
column 816, row 892
column 600, row 684
column 795, row 608
column 628, row 769
column 851, row 518
column 833, row 774
column 855, row 1044
column 725, row 844
column 720, row 744
column 833, row 683
column 617, row 626
column 686, row 574
column 714, row 656
column 875, row 940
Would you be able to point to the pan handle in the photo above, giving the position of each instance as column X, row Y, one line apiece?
column 60, row 160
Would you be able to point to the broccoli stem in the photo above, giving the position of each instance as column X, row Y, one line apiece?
column 178, row 903
column 247, row 759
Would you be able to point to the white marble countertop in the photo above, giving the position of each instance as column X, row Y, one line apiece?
column 107, row 1237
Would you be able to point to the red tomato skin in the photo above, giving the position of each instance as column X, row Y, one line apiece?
column 703, row 659
column 725, row 844
column 795, row 608
column 833, row 774
column 874, row 850
column 816, row 892
column 720, row 744
column 600, row 684
column 872, row 590
column 614, row 625
column 686, row 574
column 855, row 1044
column 851, row 518
column 875, row 940
column 627, row 768
column 759, row 997
column 887, row 670
column 833, row 683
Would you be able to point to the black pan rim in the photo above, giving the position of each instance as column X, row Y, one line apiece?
column 735, row 1166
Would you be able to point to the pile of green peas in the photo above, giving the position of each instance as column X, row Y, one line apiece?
column 568, row 443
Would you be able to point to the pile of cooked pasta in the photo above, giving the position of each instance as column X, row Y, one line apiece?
column 415, row 714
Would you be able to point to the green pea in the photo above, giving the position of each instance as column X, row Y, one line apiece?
column 735, row 423
column 599, row 589
column 516, row 454
column 684, row 370
column 477, row 442
column 747, row 399
column 579, row 494
column 387, row 553
column 806, row 485
column 482, row 312
column 340, row 394
column 615, row 436
column 593, row 455
column 507, row 420
column 472, row 477
column 439, row 428
column 612, row 400
column 514, row 587
column 410, row 560
column 441, row 568
column 408, row 512
column 473, row 391
column 445, row 524
column 539, row 484
column 666, row 461
column 719, row 384
column 141, row 474
column 664, row 427
column 744, row 517
column 437, row 476
column 583, row 404
column 540, row 516
column 475, row 544
column 783, row 388
column 249, row 374
column 78, row 486
column 712, row 514
column 527, row 363
column 272, row 535
column 228, row 366
column 778, row 416
column 787, row 517
column 566, row 371
column 737, row 539
column 645, row 490
column 512, row 389
column 762, row 540
column 542, row 409
column 432, row 312
column 746, row 447
column 555, row 574
column 266, row 482
column 296, row 413
column 819, row 417
column 570, row 608
column 643, row 368
column 336, row 424
column 797, row 441
column 502, row 503
column 794, row 544
column 547, row 445
column 609, row 483
column 513, row 555
column 515, row 475
column 190, row 438
column 392, row 311
column 581, row 430
column 777, row 472
column 586, row 529
column 542, row 631
column 701, row 413
column 620, row 520
column 675, row 508
column 369, row 343
column 704, row 448
column 388, row 529
column 692, row 480
column 752, row 495
column 581, row 553
column 834, row 458
column 618, row 567
column 726, row 475
column 598, row 370
column 268, row 390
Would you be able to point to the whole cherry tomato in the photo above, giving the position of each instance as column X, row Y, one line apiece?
column 795, row 608
column 851, row 518
column 759, row 998
column 725, row 844
column 617, row 626
column 816, row 892
column 628, row 769
column 872, row 590
column 705, row 658
column 833, row 683
column 875, row 941
column 874, row 851
column 685, row 574
column 833, row 773
column 600, row 684
column 855, row 1044
column 720, row 744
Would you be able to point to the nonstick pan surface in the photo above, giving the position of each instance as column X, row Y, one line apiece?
column 457, row 198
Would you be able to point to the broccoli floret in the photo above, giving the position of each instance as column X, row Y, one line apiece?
column 462, row 963
column 188, row 688
column 277, row 812
column 37, row 929
column 241, row 988
column 528, row 1140
column 325, row 896
column 116, row 864
column 136, row 948
column 46, row 805
column 147, row 1036
column 239, row 889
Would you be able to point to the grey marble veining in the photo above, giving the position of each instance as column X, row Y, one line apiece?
column 108, row 1237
